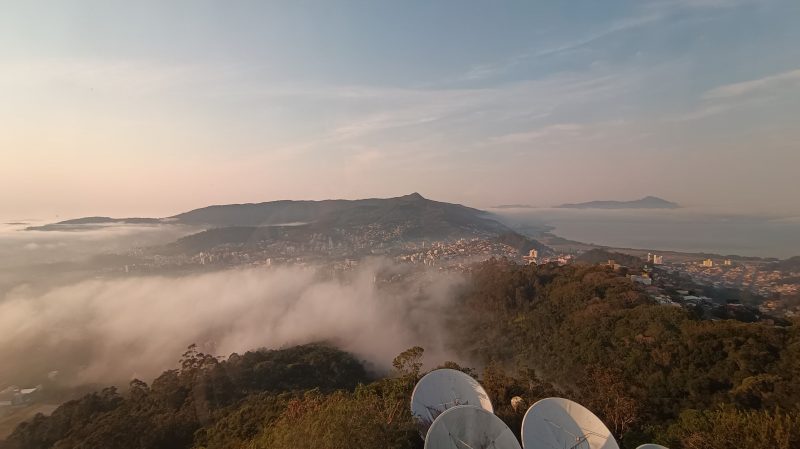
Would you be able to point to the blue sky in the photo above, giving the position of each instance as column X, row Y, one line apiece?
column 151, row 108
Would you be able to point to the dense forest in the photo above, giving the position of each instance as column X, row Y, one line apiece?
column 652, row 373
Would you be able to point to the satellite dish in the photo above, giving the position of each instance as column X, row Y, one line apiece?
column 652, row 446
column 442, row 389
column 557, row 423
column 469, row 427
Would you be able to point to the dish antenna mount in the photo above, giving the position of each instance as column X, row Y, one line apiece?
column 441, row 390
column 557, row 423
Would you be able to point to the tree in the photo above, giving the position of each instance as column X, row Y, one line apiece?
column 409, row 363
column 727, row 427
column 605, row 392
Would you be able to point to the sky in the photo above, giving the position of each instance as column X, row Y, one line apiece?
column 151, row 108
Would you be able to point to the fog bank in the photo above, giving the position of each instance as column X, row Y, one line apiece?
column 19, row 247
column 115, row 329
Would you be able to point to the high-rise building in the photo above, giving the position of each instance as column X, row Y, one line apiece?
column 708, row 263
column 658, row 260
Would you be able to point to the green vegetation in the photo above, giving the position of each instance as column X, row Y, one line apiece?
column 652, row 373
column 602, row 256
column 726, row 428
column 522, row 244
column 200, row 402
column 638, row 365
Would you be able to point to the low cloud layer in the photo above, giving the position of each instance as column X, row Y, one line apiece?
column 19, row 247
column 112, row 330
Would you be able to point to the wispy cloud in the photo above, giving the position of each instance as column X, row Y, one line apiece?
column 376, row 110
column 489, row 70
column 619, row 26
column 702, row 112
column 648, row 13
column 485, row 71
column 383, row 121
column 735, row 96
column 571, row 135
column 129, row 77
column 546, row 132
column 784, row 80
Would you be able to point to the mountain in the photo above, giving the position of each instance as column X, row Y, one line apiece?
column 413, row 215
column 418, row 216
column 648, row 202
column 366, row 223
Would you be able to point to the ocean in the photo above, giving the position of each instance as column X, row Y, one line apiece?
column 668, row 229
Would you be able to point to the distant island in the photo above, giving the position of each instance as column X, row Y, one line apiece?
column 648, row 202
column 92, row 222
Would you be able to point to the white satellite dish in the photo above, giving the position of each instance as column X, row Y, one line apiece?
column 469, row 427
column 442, row 389
column 557, row 423
column 652, row 446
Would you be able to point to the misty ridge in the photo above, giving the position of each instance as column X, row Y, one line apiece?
column 19, row 247
column 102, row 331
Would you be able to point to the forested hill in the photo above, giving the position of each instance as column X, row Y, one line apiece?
column 410, row 216
column 381, row 221
column 414, row 215
column 181, row 408
column 651, row 372
column 342, row 213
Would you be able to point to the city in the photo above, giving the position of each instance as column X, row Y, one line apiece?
column 684, row 279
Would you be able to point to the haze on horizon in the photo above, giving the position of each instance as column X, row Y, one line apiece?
column 150, row 109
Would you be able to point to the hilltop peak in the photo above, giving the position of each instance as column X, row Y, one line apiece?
column 413, row 196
